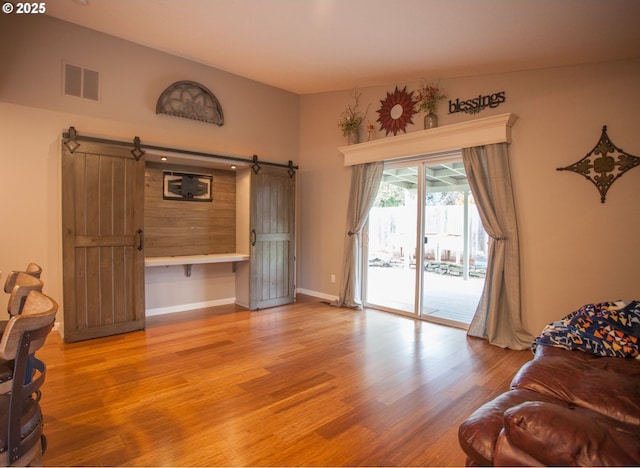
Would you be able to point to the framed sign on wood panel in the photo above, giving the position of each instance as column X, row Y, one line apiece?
column 186, row 187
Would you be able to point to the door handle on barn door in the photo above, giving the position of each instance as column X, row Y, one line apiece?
column 140, row 239
column 253, row 237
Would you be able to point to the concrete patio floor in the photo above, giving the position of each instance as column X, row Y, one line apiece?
column 445, row 297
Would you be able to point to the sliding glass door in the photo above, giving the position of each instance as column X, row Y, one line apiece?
column 455, row 250
column 426, row 247
column 393, row 220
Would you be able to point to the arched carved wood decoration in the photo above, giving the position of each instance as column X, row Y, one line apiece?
column 604, row 164
column 190, row 100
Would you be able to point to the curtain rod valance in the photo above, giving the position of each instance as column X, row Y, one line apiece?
column 485, row 131
column 71, row 138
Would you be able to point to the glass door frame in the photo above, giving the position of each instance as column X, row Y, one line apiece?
column 421, row 163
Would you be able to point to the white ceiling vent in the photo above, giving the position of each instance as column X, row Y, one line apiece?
column 81, row 82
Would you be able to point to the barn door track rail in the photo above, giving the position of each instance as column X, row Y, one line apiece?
column 71, row 139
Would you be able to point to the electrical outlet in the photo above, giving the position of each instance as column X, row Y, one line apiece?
column 333, row 278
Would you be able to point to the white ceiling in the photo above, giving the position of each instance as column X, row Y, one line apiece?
column 311, row 46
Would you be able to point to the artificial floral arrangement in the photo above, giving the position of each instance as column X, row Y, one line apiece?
column 427, row 97
column 351, row 118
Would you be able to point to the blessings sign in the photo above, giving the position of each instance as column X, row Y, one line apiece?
column 476, row 104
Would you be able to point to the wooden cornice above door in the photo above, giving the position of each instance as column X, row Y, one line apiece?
column 485, row 131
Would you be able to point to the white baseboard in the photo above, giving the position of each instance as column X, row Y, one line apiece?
column 241, row 304
column 230, row 300
column 192, row 306
column 319, row 295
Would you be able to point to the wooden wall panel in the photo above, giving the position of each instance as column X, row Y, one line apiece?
column 187, row 227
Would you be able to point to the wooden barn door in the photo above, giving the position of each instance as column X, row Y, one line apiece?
column 272, row 259
column 103, row 251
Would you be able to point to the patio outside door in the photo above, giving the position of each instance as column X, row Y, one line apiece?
column 426, row 247
column 390, row 274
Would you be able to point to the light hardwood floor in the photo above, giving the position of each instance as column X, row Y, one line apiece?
column 299, row 385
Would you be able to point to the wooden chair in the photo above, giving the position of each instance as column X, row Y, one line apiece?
column 22, row 441
column 21, row 284
column 33, row 269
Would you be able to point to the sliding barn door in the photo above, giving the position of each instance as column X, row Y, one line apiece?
column 103, row 256
column 272, row 256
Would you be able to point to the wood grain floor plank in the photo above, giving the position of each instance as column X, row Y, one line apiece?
column 305, row 384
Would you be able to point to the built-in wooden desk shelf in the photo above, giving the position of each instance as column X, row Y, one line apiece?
column 189, row 260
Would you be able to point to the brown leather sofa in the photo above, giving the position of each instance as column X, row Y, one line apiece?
column 565, row 407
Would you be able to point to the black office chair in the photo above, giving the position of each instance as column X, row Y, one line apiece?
column 22, row 441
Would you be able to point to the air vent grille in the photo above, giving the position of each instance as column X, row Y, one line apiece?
column 81, row 82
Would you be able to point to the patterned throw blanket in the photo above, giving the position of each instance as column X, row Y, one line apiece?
column 603, row 329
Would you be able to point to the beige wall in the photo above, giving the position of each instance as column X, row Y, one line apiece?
column 574, row 249
column 259, row 119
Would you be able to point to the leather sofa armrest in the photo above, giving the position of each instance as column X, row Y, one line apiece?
column 507, row 454
column 477, row 435
column 571, row 436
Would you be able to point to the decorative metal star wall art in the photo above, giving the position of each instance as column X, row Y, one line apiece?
column 396, row 111
column 604, row 164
